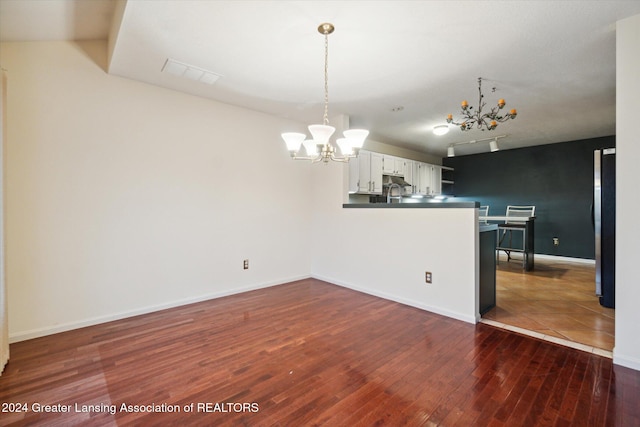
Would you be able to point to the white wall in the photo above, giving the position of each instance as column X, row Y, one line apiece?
column 4, row 316
column 627, row 346
column 123, row 197
column 385, row 252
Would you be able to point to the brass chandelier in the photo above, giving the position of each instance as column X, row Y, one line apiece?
column 483, row 121
column 319, row 148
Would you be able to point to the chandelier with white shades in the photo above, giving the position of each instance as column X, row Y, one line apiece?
column 319, row 147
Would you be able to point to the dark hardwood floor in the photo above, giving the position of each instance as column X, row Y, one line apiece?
column 309, row 353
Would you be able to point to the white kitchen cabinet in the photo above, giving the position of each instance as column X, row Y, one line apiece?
column 424, row 179
column 408, row 176
column 387, row 165
column 400, row 166
column 436, row 180
column 392, row 165
column 375, row 173
column 415, row 174
column 429, row 180
column 415, row 184
column 365, row 173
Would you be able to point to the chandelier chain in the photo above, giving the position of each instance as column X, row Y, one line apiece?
column 481, row 102
column 326, row 78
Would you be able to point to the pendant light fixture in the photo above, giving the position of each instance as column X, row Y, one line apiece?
column 319, row 147
column 486, row 121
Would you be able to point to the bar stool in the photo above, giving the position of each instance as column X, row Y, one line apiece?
column 483, row 211
column 519, row 215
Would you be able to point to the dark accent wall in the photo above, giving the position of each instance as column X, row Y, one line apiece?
column 556, row 178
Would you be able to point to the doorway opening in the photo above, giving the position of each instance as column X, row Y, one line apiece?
column 555, row 301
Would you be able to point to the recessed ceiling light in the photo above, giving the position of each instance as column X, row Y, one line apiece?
column 441, row 129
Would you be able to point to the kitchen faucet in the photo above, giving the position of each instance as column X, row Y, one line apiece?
column 399, row 196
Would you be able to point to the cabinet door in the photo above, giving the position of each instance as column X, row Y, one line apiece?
column 416, row 177
column 364, row 172
column 375, row 173
column 428, row 178
column 354, row 175
column 436, row 180
column 399, row 166
column 392, row 165
column 408, row 176
column 388, row 165
column 425, row 179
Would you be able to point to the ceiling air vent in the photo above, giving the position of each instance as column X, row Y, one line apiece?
column 191, row 72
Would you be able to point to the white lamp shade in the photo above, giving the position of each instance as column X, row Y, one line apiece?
column 451, row 152
column 310, row 147
column 345, row 146
column 293, row 140
column 356, row 137
column 493, row 145
column 321, row 133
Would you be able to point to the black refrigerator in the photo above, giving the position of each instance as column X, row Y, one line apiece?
column 604, row 221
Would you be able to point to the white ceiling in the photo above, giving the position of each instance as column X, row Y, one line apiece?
column 552, row 60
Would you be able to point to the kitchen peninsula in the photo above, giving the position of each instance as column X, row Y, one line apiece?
column 402, row 218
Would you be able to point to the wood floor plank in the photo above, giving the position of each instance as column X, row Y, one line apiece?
column 311, row 353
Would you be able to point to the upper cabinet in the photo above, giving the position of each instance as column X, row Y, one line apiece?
column 392, row 165
column 408, row 176
column 436, row 180
column 423, row 179
column 365, row 173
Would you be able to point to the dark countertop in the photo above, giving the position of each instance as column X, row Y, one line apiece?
column 424, row 205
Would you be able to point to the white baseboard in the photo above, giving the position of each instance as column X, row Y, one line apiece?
column 564, row 258
column 49, row 330
column 518, row 257
column 401, row 300
column 626, row 361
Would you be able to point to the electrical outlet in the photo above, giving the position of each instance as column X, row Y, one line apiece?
column 427, row 276
column 556, row 241
column 245, row 265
